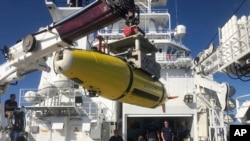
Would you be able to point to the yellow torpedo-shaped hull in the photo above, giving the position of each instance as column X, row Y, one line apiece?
column 111, row 77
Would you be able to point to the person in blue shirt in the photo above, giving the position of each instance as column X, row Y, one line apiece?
column 167, row 132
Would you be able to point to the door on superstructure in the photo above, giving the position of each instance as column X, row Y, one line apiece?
column 181, row 126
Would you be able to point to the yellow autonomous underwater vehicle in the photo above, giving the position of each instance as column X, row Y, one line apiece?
column 131, row 79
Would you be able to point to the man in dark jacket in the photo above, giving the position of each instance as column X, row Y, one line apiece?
column 153, row 133
column 116, row 136
column 9, row 107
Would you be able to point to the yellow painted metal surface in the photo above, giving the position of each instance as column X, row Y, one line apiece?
column 114, row 79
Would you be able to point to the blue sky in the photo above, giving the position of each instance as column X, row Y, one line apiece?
column 201, row 18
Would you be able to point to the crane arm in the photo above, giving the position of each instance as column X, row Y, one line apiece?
column 221, row 90
column 231, row 57
column 232, row 54
column 30, row 53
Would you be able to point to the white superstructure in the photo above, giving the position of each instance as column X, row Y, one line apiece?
column 60, row 109
column 195, row 114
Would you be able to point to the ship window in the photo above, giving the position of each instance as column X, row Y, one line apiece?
column 174, row 51
column 160, row 50
column 177, row 54
column 78, row 99
column 169, row 50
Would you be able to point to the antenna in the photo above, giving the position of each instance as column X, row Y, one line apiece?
column 176, row 12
